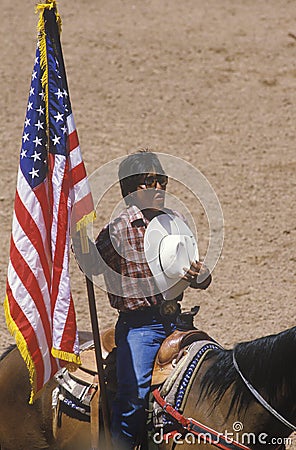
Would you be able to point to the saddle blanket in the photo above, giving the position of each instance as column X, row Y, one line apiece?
column 177, row 386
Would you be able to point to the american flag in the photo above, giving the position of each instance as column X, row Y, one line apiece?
column 51, row 185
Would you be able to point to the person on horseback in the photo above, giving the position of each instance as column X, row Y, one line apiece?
column 142, row 323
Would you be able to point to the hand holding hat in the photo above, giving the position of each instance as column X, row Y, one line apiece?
column 172, row 254
column 198, row 269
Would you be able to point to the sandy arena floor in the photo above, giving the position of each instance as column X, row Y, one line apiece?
column 211, row 82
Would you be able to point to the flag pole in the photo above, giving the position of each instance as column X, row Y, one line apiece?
column 99, row 360
column 97, row 343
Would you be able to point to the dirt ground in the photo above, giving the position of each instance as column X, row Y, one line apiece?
column 211, row 82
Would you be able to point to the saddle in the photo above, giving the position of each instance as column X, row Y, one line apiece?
column 171, row 351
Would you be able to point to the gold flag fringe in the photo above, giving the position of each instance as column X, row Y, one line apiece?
column 22, row 347
column 66, row 356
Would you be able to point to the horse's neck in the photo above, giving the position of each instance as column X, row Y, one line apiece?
column 202, row 409
column 222, row 418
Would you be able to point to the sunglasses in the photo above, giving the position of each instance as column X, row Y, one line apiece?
column 151, row 181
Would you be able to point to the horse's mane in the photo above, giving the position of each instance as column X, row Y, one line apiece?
column 7, row 351
column 268, row 363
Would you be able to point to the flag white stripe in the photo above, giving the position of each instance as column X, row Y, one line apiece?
column 75, row 158
column 81, row 189
column 57, row 177
column 71, row 123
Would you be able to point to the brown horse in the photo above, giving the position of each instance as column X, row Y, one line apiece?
column 219, row 398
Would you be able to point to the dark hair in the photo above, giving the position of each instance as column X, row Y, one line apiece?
column 133, row 169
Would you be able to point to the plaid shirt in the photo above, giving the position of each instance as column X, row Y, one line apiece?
column 128, row 278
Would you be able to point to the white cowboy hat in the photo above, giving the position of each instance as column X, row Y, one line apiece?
column 169, row 246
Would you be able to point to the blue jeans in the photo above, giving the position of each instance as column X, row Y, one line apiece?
column 138, row 336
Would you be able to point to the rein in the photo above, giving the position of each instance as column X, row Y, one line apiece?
column 207, row 435
column 260, row 399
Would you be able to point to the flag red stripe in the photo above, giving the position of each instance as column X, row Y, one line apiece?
column 73, row 141
column 33, row 233
column 69, row 333
column 31, row 284
column 78, row 173
column 29, row 335
column 82, row 208
column 42, row 196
